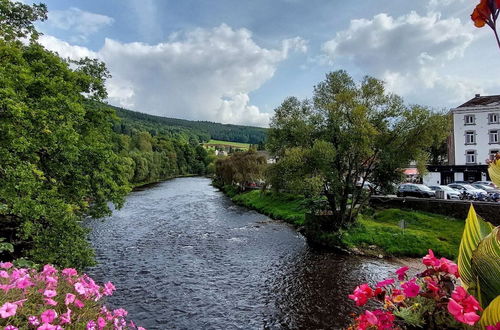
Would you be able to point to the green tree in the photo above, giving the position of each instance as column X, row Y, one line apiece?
column 57, row 162
column 240, row 168
column 349, row 135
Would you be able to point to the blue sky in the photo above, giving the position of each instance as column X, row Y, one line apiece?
column 234, row 61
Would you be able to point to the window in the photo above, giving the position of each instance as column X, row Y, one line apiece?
column 494, row 136
column 493, row 118
column 470, row 137
column 493, row 153
column 470, row 157
column 469, row 119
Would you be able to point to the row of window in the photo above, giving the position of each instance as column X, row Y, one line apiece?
column 470, row 136
column 493, row 118
column 471, row 155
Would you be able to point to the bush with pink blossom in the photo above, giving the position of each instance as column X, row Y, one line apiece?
column 430, row 300
column 52, row 299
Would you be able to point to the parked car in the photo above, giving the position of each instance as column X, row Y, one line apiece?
column 488, row 189
column 450, row 192
column 485, row 183
column 468, row 191
column 415, row 190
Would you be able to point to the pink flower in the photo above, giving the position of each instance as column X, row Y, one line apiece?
column 66, row 317
column 460, row 314
column 6, row 265
column 24, row 282
column 69, row 298
column 91, row 325
column 50, row 293
column 20, row 303
column 33, row 320
column 108, row 289
column 120, row 312
column 410, row 289
column 48, row 316
column 50, row 302
column 80, row 288
column 4, row 274
column 48, row 270
column 141, row 328
column 79, row 304
column 385, row 283
column 10, row 327
column 459, row 294
column 361, row 294
column 377, row 319
column 8, row 310
column 448, row 267
column 430, row 260
column 493, row 327
column 402, row 272
column 69, row 272
column 51, row 281
column 101, row 323
column 47, row 326
column 432, row 285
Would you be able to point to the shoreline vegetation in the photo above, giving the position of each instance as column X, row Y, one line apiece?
column 377, row 232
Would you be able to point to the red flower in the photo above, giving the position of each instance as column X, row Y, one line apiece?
column 402, row 272
column 361, row 294
column 464, row 307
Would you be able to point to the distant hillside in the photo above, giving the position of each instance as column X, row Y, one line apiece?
column 202, row 130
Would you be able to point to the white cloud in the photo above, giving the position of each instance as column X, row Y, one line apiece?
column 81, row 23
column 205, row 74
column 410, row 53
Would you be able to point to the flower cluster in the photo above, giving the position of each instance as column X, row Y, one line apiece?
column 429, row 298
column 53, row 299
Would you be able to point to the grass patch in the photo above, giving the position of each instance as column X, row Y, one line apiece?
column 424, row 231
column 245, row 146
column 286, row 207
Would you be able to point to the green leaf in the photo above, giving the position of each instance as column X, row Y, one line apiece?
column 475, row 230
column 486, row 266
column 491, row 314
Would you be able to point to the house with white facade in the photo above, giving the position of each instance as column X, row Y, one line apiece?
column 474, row 139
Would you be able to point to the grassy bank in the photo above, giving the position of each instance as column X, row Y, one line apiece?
column 380, row 228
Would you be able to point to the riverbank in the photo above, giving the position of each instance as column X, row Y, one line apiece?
column 378, row 232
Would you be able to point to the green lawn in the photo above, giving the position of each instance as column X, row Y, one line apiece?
column 278, row 206
column 230, row 144
column 423, row 230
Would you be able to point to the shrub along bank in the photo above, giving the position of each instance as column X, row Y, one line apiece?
column 381, row 228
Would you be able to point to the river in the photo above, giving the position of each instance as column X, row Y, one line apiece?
column 183, row 256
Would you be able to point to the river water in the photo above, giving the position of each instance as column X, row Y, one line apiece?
column 183, row 256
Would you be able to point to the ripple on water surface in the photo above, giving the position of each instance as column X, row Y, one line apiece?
column 184, row 257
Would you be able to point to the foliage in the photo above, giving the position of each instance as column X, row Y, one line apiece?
column 491, row 314
column 479, row 262
column 348, row 135
column 16, row 19
column 486, row 13
column 430, row 300
column 240, row 168
column 57, row 162
column 52, row 299
column 191, row 131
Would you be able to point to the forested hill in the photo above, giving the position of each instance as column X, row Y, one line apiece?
column 202, row 130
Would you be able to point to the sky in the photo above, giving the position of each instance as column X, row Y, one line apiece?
column 235, row 61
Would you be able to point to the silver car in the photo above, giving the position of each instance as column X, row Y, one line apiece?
column 450, row 192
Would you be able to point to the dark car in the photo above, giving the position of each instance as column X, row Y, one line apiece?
column 415, row 190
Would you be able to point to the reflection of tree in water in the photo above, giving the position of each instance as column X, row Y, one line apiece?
column 311, row 291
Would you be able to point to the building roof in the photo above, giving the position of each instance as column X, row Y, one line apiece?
column 482, row 101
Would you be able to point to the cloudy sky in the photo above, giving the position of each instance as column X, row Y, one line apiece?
column 234, row 61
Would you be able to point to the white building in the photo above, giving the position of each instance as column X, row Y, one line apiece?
column 474, row 139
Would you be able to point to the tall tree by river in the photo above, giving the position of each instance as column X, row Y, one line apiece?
column 349, row 135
